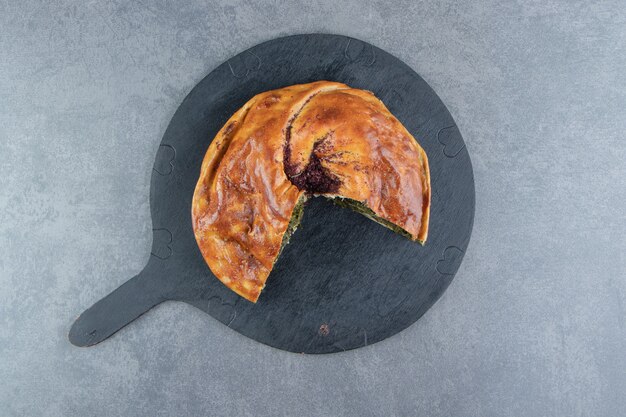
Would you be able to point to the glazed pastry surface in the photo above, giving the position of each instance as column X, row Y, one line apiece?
column 282, row 146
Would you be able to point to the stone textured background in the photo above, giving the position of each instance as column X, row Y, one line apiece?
column 533, row 324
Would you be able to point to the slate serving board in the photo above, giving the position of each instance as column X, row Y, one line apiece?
column 344, row 281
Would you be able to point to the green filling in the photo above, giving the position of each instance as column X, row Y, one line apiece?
column 296, row 218
column 357, row 206
column 361, row 208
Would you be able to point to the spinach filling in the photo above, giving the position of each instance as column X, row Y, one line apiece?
column 296, row 218
column 361, row 208
column 357, row 206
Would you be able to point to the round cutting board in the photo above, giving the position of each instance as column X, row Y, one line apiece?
column 344, row 281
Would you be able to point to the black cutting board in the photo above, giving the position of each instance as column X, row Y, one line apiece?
column 344, row 281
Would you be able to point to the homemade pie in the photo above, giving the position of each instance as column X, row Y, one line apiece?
column 286, row 145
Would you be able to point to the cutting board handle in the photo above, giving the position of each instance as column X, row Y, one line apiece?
column 122, row 306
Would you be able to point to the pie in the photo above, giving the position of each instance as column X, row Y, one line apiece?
column 284, row 146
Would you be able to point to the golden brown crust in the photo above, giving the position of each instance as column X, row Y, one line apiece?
column 319, row 138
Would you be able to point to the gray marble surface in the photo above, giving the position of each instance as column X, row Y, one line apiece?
column 533, row 324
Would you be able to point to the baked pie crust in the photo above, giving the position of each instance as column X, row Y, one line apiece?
column 285, row 145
